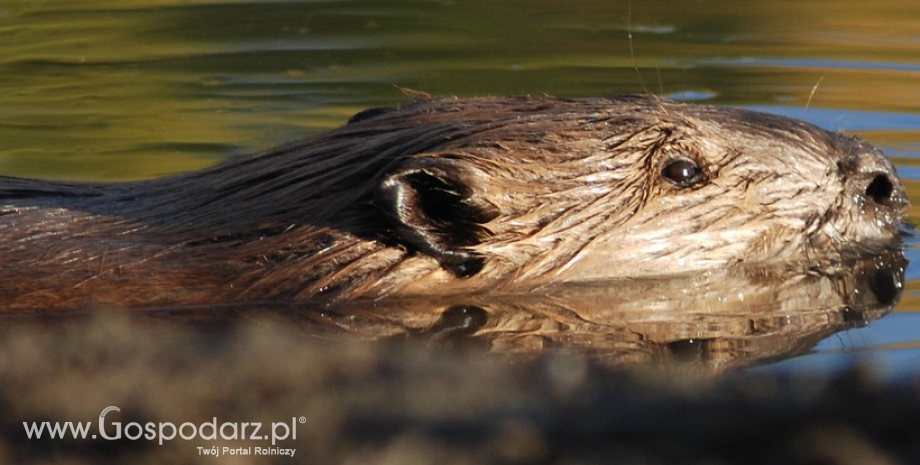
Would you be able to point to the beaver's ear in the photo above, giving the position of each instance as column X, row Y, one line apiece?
column 433, row 207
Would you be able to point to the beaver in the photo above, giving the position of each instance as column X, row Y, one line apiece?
column 450, row 195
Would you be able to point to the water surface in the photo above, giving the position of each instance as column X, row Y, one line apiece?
column 129, row 89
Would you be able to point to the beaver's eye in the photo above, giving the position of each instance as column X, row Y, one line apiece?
column 682, row 172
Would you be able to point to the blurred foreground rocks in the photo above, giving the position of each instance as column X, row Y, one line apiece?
column 402, row 401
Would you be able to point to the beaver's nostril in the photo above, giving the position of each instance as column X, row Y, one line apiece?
column 880, row 190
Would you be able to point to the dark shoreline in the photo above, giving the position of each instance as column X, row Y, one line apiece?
column 399, row 402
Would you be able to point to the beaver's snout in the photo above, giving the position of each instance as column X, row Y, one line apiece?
column 872, row 189
column 883, row 200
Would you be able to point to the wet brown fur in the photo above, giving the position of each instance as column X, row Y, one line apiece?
column 450, row 195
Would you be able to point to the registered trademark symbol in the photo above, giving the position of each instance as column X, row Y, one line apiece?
column 303, row 420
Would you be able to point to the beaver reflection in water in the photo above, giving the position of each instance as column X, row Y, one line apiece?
column 457, row 195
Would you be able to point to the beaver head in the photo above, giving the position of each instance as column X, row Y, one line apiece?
column 458, row 195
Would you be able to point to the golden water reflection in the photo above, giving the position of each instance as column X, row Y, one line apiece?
column 112, row 90
column 128, row 89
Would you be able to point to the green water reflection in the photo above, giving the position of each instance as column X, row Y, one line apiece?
column 128, row 89
column 131, row 89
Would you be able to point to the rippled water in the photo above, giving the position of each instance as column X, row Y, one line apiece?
column 126, row 89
